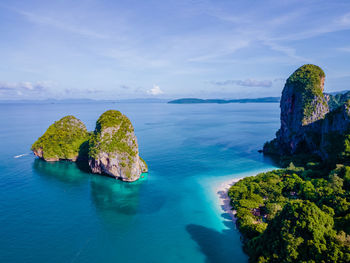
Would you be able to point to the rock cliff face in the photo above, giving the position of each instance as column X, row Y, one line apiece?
column 335, row 134
column 306, row 123
column 113, row 148
column 62, row 140
column 338, row 99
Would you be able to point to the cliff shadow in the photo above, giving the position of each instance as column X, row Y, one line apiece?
column 116, row 197
column 224, row 246
column 63, row 171
column 83, row 158
column 109, row 194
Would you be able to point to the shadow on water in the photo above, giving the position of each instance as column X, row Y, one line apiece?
column 115, row 201
column 217, row 246
column 109, row 194
column 120, row 197
column 64, row 171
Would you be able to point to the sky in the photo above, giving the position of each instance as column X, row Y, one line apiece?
column 101, row 49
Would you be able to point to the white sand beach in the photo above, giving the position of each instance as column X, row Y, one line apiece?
column 224, row 200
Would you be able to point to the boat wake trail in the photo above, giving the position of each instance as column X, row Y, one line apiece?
column 21, row 155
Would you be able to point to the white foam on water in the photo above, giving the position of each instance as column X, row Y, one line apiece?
column 21, row 155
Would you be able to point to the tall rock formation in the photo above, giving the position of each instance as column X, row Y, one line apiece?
column 306, row 123
column 62, row 140
column 113, row 148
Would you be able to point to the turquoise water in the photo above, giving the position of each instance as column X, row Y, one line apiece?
column 55, row 212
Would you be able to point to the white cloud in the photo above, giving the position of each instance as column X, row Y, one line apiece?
column 10, row 89
column 155, row 90
column 23, row 86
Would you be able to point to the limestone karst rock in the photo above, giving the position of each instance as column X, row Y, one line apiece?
column 302, row 103
column 335, row 134
column 113, row 148
column 62, row 140
column 307, row 126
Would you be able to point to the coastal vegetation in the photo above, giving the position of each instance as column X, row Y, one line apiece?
column 295, row 214
column 301, row 213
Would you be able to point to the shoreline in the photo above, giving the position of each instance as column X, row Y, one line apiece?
column 220, row 189
column 224, row 200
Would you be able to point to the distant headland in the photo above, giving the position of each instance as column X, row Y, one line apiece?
column 335, row 99
column 223, row 101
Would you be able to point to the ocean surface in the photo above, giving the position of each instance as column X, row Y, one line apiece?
column 55, row 212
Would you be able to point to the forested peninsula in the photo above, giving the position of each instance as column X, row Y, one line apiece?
column 301, row 213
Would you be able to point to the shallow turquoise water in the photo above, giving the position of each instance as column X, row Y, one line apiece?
column 54, row 212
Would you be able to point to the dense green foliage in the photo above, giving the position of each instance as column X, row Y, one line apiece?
column 113, row 134
column 337, row 100
column 306, row 80
column 62, row 140
column 295, row 214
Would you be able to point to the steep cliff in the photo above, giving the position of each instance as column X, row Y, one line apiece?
column 307, row 126
column 113, row 148
column 62, row 140
column 335, row 135
column 337, row 99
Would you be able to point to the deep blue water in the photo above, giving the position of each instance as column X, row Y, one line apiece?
column 54, row 212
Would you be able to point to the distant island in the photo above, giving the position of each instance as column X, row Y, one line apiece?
column 222, row 101
column 301, row 213
column 111, row 149
column 84, row 101
column 335, row 99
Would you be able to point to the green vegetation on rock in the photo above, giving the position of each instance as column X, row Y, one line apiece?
column 62, row 140
column 307, row 80
column 145, row 165
column 112, row 134
column 111, row 149
column 338, row 99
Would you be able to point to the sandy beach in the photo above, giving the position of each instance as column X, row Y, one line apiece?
column 224, row 200
column 221, row 190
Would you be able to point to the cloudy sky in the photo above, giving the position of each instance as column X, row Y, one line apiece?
column 168, row 49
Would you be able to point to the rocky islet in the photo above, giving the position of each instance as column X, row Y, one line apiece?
column 111, row 149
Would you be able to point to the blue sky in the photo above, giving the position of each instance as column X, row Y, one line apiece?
column 168, row 49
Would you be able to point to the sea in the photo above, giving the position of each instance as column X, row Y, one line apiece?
column 57, row 212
